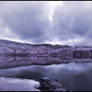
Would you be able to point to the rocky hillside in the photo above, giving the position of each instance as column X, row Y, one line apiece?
column 17, row 54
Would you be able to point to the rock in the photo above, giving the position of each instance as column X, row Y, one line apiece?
column 50, row 84
column 15, row 84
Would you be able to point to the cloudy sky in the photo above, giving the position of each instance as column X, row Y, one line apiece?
column 54, row 22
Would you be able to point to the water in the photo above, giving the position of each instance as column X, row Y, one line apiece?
column 74, row 76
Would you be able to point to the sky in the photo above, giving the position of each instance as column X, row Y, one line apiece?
column 51, row 22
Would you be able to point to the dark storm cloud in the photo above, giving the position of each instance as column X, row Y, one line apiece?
column 72, row 21
column 27, row 20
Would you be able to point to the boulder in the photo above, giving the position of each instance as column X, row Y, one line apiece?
column 50, row 84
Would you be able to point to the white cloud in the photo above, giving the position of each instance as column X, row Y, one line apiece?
column 53, row 22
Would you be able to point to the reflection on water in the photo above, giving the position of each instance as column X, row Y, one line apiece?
column 74, row 76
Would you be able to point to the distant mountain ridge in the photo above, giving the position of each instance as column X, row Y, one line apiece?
column 14, row 54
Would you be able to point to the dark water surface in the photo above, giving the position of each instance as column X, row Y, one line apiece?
column 74, row 76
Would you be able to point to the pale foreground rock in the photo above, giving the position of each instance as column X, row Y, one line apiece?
column 14, row 84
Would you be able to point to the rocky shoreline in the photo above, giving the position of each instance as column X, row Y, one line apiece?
column 45, row 84
column 13, row 54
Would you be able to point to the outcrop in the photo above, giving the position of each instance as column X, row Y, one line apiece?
column 50, row 84
column 16, row 84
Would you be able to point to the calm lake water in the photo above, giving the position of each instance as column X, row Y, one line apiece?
column 74, row 76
